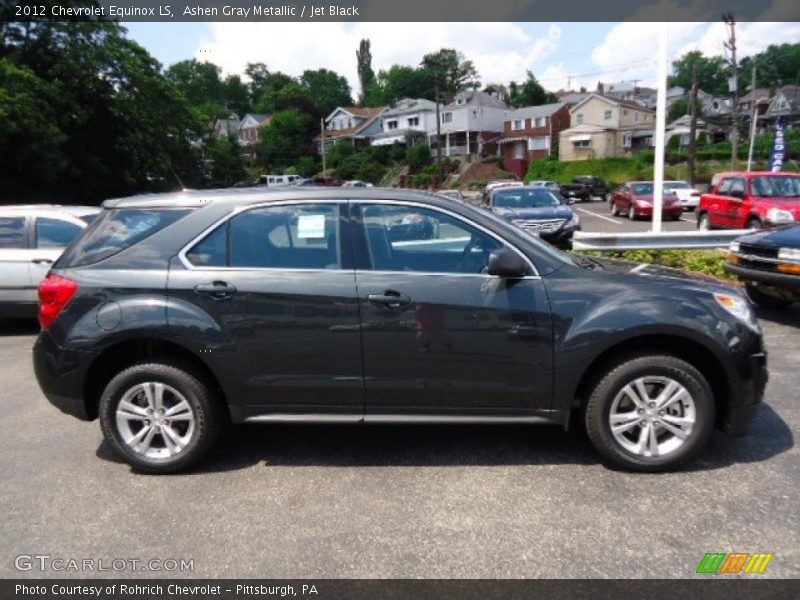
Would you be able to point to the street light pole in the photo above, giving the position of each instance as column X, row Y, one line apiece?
column 661, row 124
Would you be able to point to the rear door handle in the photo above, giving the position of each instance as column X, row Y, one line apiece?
column 389, row 298
column 218, row 290
column 42, row 261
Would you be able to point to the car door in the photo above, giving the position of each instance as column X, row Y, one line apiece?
column 622, row 199
column 51, row 235
column 732, row 202
column 276, row 287
column 441, row 336
column 718, row 203
column 16, row 286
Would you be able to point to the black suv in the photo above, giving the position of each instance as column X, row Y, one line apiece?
column 174, row 314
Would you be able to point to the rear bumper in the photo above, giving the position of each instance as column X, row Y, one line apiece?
column 60, row 374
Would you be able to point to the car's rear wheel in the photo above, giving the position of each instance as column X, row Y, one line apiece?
column 703, row 224
column 160, row 417
column 765, row 300
column 754, row 223
column 613, row 209
column 650, row 413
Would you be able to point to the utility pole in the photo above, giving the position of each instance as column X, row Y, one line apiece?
column 691, row 154
column 753, row 121
column 322, row 143
column 730, row 45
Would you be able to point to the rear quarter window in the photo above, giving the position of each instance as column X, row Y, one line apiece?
column 116, row 229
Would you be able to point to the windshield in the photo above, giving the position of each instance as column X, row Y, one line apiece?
column 642, row 189
column 676, row 185
column 776, row 185
column 524, row 198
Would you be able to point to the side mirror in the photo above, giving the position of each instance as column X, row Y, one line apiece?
column 507, row 263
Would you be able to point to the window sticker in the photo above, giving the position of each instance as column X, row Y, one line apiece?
column 310, row 226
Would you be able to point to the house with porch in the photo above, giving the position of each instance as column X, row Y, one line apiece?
column 406, row 121
column 353, row 124
column 531, row 133
column 472, row 124
column 601, row 127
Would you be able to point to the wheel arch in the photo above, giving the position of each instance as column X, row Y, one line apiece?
column 690, row 350
column 125, row 353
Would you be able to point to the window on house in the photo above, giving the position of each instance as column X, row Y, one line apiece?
column 582, row 143
column 447, row 117
column 539, row 143
column 636, row 116
column 391, row 124
column 607, row 115
column 541, row 121
column 474, row 114
column 627, row 140
column 579, row 119
column 413, row 121
column 518, row 124
column 624, row 113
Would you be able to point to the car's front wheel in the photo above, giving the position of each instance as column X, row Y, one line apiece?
column 613, row 209
column 650, row 413
column 159, row 417
column 631, row 213
column 703, row 224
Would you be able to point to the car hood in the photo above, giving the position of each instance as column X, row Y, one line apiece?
column 785, row 237
column 786, row 203
column 667, row 275
column 542, row 213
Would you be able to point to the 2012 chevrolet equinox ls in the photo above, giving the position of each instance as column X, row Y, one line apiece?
column 174, row 314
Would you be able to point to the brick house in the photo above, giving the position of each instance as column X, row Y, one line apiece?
column 531, row 133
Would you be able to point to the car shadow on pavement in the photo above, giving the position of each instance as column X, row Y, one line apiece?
column 13, row 327
column 787, row 316
column 299, row 445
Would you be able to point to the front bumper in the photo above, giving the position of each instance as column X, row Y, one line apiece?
column 666, row 211
column 778, row 280
column 748, row 394
column 558, row 237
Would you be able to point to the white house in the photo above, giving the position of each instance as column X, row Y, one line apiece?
column 472, row 123
column 405, row 120
column 351, row 123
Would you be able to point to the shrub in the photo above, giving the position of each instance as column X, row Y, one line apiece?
column 372, row 172
column 418, row 156
column 336, row 155
column 705, row 262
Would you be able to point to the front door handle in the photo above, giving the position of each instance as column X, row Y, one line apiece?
column 217, row 290
column 390, row 299
column 42, row 261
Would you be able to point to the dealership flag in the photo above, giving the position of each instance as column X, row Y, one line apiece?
column 778, row 148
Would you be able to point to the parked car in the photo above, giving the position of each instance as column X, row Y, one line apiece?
column 537, row 210
column 752, row 200
column 497, row 183
column 356, row 183
column 279, row 180
column 688, row 195
column 550, row 185
column 769, row 264
column 175, row 313
column 327, row 181
column 635, row 199
column 584, row 188
column 31, row 238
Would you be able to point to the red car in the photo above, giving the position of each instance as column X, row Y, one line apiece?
column 750, row 201
column 635, row 199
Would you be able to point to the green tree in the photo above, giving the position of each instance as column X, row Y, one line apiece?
column 201, row 83
column 400, row 81
column 678, row 108
column 286, row 138
column 270, row 88
column 257, row 74
column 366, row 76
column 236, row 95
column 529, row 93
column 454, row 73
column 712, row 72
column 326, row 89
column 418, row 157
column 778, row 65
column 225, row 157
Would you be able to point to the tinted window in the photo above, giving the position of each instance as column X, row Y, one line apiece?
column 524, row 198
column 54, row 233
column 642, row 189
column 117, row 229
column 725, row 186
column 408, row 238
column 776, row 185
column 11, row 232
column 281, row 237
column 737, row 185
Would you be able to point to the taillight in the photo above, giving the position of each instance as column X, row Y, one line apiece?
column 54, row 293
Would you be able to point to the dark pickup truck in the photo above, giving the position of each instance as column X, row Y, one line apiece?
column 584, row 188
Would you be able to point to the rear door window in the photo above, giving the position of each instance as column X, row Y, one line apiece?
column 117, row 229
column 12, row 232
column 55, row 233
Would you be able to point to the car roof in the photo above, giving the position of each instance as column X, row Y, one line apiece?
column 244, row 196
column 72, row 213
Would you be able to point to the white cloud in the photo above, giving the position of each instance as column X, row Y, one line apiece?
column 501, row 51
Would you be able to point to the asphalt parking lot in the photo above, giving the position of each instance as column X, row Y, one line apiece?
column 401, row 502
column 595, row 217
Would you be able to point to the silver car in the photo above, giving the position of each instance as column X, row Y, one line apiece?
column 32, row 237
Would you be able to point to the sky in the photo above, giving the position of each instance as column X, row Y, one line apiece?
column 559, row 54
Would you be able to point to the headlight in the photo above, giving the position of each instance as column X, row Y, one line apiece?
column 778, row 215
column 734, row 247
column 789, row 254
column 574, row 221
column 738, row 307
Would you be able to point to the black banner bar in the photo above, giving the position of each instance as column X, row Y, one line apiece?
column 401, row 10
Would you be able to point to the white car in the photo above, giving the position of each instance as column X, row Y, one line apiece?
column 688, row 196
column 356, row 183
column 32, row 237
column 550, row 185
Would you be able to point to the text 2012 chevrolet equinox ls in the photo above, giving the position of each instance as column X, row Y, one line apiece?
column 173, row 314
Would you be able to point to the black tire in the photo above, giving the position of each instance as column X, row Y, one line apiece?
column 675, row 217
column 765, row 300
column 611, row 383
column 703, row 222
column 631, row 213
column 613, row 209
column 206, row 407
column 754, row 223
